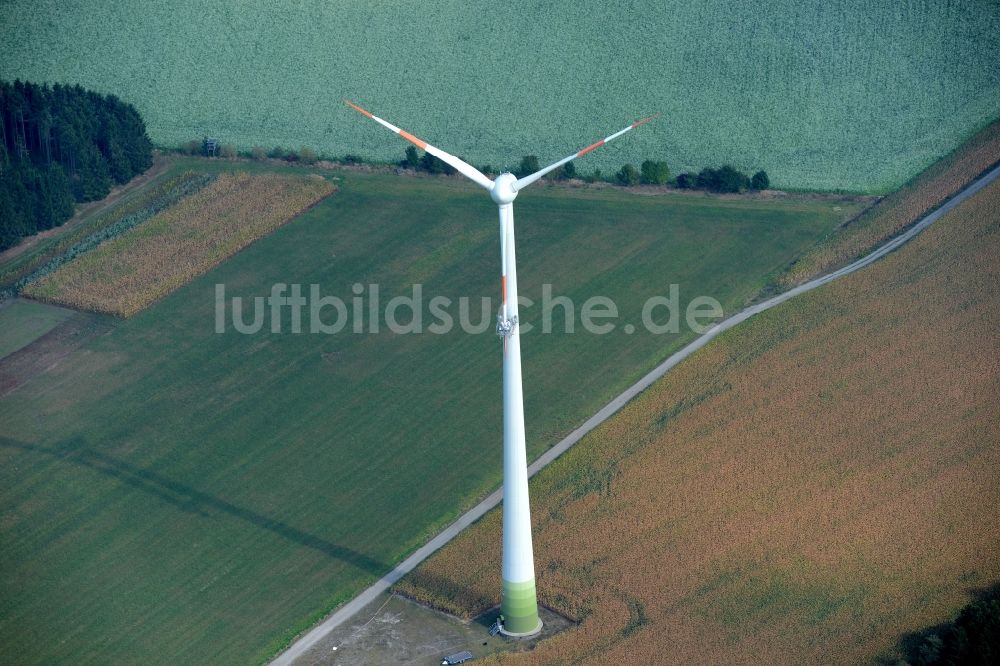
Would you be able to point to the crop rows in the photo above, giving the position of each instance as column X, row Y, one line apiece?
column 832, row 95
column 126, row 274
column 114, row 224
column 22, row 265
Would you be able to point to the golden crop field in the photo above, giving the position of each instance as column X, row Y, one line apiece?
column 901, row 208
column 126, row 274
column 809, row 487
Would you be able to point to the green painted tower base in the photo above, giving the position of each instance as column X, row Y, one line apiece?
column 519, row 608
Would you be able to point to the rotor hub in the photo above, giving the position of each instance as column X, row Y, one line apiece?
column 503, row 191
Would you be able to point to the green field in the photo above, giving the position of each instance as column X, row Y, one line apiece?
column 170, row 494
column 834, row 95
column 22, row 322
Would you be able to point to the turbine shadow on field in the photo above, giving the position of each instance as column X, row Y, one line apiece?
column 190, row 500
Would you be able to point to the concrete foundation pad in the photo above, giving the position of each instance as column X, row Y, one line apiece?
column 396, row 630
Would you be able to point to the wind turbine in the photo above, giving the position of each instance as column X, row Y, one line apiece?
column 519, row 604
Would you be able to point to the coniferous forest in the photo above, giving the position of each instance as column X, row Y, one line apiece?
column 62, row 145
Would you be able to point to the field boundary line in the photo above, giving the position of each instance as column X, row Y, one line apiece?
column 352, row 607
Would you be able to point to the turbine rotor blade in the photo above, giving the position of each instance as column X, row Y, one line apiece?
column 528, row 180
column 464, row 168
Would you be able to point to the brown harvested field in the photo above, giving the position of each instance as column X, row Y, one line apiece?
column 897, row 211
column 809, row 487
column 126, row 274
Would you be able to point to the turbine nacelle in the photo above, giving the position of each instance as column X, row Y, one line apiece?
column 504, row 189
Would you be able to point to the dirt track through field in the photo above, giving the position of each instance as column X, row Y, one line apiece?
column 345, row 612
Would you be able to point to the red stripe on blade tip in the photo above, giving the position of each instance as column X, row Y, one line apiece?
column 645, row 120
column 412, row 139
column 357, row 108
column 590, row 148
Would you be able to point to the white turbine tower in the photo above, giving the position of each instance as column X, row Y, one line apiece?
column 519, row 606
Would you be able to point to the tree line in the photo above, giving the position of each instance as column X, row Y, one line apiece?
column 723, row 179
column 304, row 155
column 61, row 145
column 651, row 172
